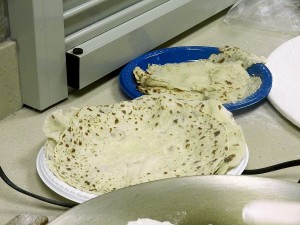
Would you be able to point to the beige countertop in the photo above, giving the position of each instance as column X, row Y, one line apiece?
column 271, row 138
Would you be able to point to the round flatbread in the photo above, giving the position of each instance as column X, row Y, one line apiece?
column 98, row 149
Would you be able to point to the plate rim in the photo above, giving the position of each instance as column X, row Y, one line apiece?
column 128, row 83
column 71, row 193
column 57, row 185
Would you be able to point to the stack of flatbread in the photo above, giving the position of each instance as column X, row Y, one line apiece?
column 222, row 76
column 98, row 149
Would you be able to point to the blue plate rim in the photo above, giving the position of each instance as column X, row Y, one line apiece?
column 129, row 86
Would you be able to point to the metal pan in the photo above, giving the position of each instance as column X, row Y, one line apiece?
column 195, row 200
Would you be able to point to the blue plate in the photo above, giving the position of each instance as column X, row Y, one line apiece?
column 186, row 54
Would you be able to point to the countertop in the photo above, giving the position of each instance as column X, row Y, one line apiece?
column 270, row 137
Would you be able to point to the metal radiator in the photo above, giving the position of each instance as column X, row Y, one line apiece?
column 76, row 42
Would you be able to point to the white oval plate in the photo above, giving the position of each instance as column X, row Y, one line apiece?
column 284, row 64
column 76, row 195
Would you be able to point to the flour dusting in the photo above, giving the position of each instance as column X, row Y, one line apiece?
column 146, row 221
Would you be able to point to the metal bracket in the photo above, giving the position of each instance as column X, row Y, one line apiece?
column 38, row 28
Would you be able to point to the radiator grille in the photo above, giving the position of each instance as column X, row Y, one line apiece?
column 84, row 20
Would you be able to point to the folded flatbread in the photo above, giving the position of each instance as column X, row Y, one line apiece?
column 98, row 149
column 222, row 77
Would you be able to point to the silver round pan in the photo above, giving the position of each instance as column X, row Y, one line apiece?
column 195, row 200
